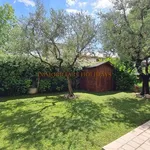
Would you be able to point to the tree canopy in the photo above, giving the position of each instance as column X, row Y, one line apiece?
column 7, row 20
column 125, row 30
column 57, row 39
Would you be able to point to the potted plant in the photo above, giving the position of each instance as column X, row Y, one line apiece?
column 33, row 89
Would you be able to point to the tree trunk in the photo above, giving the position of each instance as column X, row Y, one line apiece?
column 70, row 86
column 145, row 84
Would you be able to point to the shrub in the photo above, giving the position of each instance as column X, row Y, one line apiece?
column 17, row 75
column 123, row 75
column 124, row 81
column 45, row 86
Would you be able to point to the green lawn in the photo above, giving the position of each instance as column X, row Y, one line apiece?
column 52, row 123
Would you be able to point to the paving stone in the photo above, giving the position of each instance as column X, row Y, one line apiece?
column 122, row 141
column 109, row 148
column 145, row 146
column 144, row 138
column 148, row 142
column 139, row 148
column 113, row 145
column 148, row 131
column 137, row 139
column 133, row 144
column 137, row 131
column 148, row 123
column 128, row 147
column 128, row 136
column 146, row 134
column 144, row 127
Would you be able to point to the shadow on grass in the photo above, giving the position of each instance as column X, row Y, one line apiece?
column 79, row 117
column 7, row 98
column 4, row 99
column 99, row 93
column 130, row 110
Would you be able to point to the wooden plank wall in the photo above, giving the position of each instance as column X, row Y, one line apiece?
column 98, row 79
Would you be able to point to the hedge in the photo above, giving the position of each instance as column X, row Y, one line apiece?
column 18, row 74
column 124, row 75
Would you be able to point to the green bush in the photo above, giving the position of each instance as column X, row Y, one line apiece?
column 52, row 85
column 44, row 86
column 123, row 75
column 17, row 75
column 124, row 81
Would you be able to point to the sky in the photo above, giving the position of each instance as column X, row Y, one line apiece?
column 23, row 7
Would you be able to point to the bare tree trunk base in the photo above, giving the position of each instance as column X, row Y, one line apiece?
column 138, row 95
column 147, row 96
column 71, row 97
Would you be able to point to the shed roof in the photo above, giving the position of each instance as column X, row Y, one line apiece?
column 99, row 64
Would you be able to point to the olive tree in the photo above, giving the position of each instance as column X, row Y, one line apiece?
column 125, row 30
column 58, row 38
column 7, row 22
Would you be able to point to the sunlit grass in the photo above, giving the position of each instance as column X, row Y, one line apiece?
column 50, row 122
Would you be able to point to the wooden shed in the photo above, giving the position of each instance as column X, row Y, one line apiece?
column 97, row 78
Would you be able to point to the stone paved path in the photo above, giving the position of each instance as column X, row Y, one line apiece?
column 137, row 139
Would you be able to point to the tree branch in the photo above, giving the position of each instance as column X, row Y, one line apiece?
column 79, row 52
column 40, row 58
column 55, row 53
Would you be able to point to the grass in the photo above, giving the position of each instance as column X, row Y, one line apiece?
column 49, row 122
